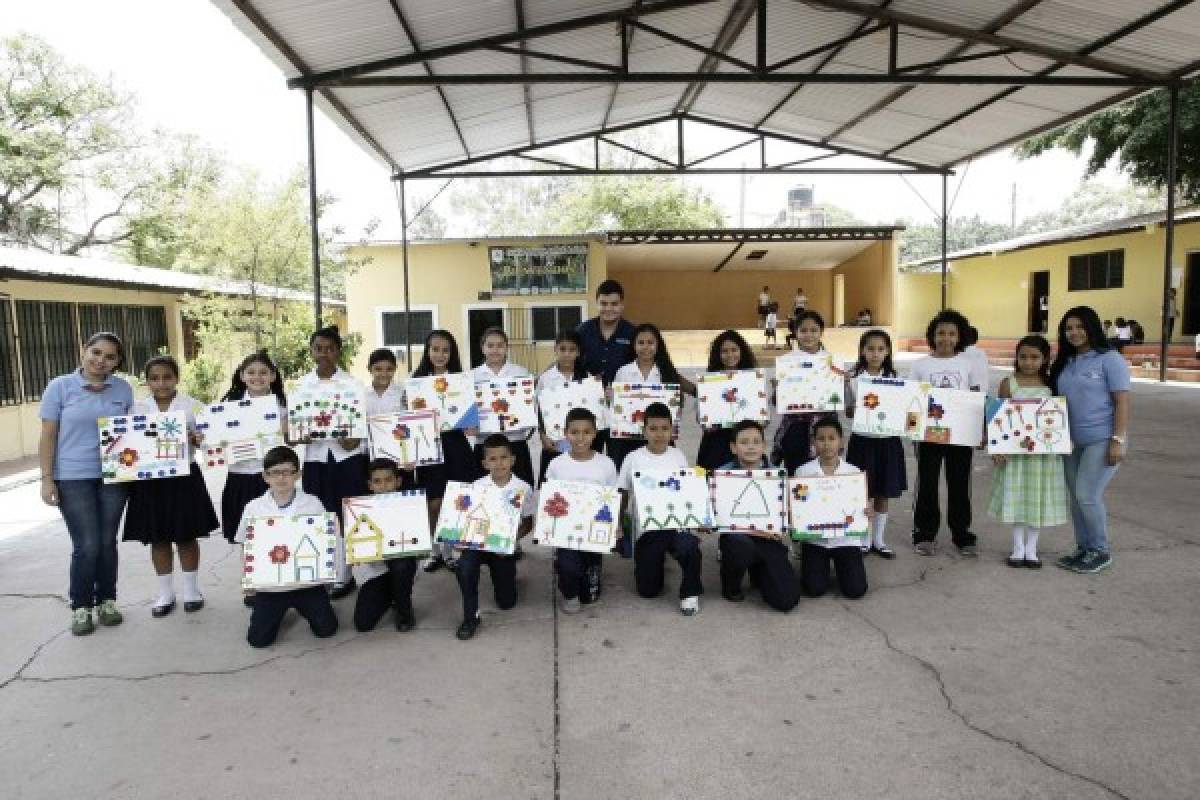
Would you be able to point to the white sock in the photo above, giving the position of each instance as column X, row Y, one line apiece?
column 879, row 525
column 1031, row 537
column 191, row 587
column 1018, row 536
column 166, row 590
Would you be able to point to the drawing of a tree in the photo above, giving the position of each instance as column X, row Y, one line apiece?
column 556, row 507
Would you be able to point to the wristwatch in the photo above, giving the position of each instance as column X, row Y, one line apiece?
column 1118, row 439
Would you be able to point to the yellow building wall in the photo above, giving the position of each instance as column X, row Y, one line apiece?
column 449, row 276
column 870, row 279
column 994, row 291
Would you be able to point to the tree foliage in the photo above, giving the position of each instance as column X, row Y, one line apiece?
column 74, row 173
column 1135, row 133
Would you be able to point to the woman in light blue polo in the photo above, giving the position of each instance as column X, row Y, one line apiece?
column 69, row 450
column 1094, row 378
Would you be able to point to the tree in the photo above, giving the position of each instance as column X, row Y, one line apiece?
column 73, row 172
column 924, row 240
column 641, row 202
column 1134, row 132
column 1093, row 201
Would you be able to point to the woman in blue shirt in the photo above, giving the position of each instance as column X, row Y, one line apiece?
column 69, row 450
column 1095, row 381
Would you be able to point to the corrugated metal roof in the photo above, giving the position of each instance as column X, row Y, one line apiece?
column 1089, row 231
column 415, row 127
column 36, row 265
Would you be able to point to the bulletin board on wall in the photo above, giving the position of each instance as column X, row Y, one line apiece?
column 544, row 269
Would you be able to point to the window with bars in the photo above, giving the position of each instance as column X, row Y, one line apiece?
column 48, row 341
column 546, row 322
column 10, row 384
column 393, row 324
column 143, row 329
column 1104, row 270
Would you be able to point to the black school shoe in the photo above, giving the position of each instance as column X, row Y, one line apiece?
column 467, row 629
column 161, row 611
column 340, row 590
column 404, row 620
column 734, row 595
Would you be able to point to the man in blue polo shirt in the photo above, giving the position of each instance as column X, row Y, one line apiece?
column 608, row 337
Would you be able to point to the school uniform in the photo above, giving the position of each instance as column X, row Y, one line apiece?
column 880, row 457
column 331, row 472
column 579, row 572
column 792, row 445
column 243, row 483
column 551, row 378
column 519, row 437
column 503, row 568
column 271, row 604
column 458, row 464
column 619, row 449
column 960, row 371
column 651, row 547
column 844, row 553
column 170, row 510
column 767, row 560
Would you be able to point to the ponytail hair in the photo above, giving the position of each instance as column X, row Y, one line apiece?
column 237, row 386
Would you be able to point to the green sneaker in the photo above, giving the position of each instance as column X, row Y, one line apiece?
column 1094, row 562
column 81, row 622
column 107, row 613
column 1071, row 562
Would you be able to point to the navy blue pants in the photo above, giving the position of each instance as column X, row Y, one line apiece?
column 504, row 579
column 847, row 563
column 312, row 603
column 649, row 560
column 392, row 589
column 578, row 573
column 767, row 562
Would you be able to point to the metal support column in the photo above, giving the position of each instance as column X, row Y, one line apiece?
column 945, row 222
column 315, row 242
column 1169, row 246
column 404, row 259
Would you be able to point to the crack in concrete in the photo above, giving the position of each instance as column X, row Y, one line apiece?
column 37, row 651
column 35, row 596
column 936, row 674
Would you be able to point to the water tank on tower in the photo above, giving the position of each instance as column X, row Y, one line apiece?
column 800, row 198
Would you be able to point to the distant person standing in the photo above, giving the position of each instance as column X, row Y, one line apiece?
column 764, row 304
column 1172, row 312
column 799, row 303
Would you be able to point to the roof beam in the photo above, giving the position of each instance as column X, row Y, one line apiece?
column 994, row 25
column 442, row 173
column 519, row 9
column 983, row 37
column 417, row 57
column 412, row 40
column 731, row 29
column 260, row 23
column 1105, row 41
column 626, row 43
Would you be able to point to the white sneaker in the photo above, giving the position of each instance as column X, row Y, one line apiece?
column 689, row 606
column 570, row 605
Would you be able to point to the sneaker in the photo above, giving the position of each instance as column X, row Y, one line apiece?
column 883, row 551
column 968, row 551
column 340, row 590
column 467, row 629
column 405, row 620
column 689, row 606
column 248, row 600
column 570, row 605
column 107, row 613
column 865, row 548
column 1094, row 561
column 452, row 564
column 434, row 564
column 81, row 622
column 518, row 553
column 925, row 548
column 1072, row 561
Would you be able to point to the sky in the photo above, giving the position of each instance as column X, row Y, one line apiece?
column 193, row 72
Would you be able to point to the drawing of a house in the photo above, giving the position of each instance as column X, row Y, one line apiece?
column 1051, row 415
column 365, row 539
column 601, row 529
column 476, row 526
column 306, row 560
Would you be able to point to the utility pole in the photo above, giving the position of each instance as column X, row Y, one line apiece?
column 1013, row 209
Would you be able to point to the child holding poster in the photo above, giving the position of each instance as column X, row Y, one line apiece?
column 880, row 457
column 793, row 439
column 652, row 365
column 1029, row 492
column 764, row 557
column 729, row 351
column 947, row 367
column 385, row 584
column 171, row 513
column 567, row 367
column 579, row 570
column 659, row 457
column 498, row 461
column 497, row 368
column 281, row 471
column 842, row 552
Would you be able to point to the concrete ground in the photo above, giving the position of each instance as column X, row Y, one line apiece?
column 951, row 679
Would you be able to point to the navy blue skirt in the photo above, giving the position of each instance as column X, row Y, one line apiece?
column 332, row 480
column 882, row 459
column 458, row 464
column 169, row 510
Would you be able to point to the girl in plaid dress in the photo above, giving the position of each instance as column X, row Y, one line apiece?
column 1028, row 492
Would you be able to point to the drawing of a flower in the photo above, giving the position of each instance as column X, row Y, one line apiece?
column 417, row 403
column 401, row 432
column 800, row 492
column 638, row 416
column 672, row 483
column 279, row 554
column 730, row 395
column 128, row 457
column 500, row 405
column 871, row 401
column 462, row 502
column 440, row 385
column 323, row 419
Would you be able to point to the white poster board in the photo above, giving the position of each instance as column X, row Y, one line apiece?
column 239, row 430
column 1032, row 426
column 809, row 384
column 506, row 405
column 952, row 416
column 726, row 398
column 283, row 551
column 326, row 410
column 477, row 518
column 578, row 516
column 827, row 507
column 672, row 500
column 406, row 437
column 451, row 395
column 630, row 401
column 380, row 526
column 142, row 447
column 750, row 501
column 556, row 401
column 888, row 406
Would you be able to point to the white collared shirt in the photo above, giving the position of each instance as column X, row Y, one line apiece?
column 632, row 373
column 390, row 401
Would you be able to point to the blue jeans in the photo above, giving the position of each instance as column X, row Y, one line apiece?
column 1088, row 473
column 92, row 510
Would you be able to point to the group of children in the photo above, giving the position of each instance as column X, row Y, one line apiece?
column 1029, row 492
